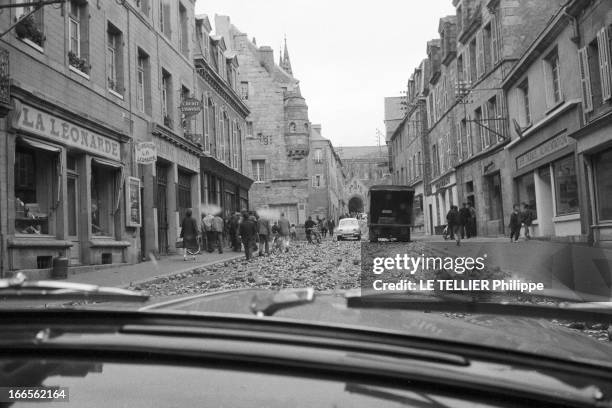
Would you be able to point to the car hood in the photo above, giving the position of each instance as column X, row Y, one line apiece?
column 538, row 336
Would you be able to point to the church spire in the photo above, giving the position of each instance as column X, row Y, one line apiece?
column 286, row 65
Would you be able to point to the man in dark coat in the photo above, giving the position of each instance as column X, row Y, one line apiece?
column 233, row 231
column 189, row 233
column 453, row 223
column 464, row 221
column 515, row 224
column 308, row 226
column 248, row 234
column 527, row 218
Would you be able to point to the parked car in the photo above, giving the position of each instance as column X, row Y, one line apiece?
column 348, row 228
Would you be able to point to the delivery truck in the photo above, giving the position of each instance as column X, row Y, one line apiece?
column 390, row 215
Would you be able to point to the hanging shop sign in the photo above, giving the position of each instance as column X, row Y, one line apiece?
column 190, row 107
column 43, row 124
column 146, row 152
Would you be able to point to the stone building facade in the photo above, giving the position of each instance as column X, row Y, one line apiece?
column 326, row 198
column 543, row 93
column 408, row 147
column 277, row 144
column 491, row 36
column 364, row 166
column 221, row 126
column 82, row 106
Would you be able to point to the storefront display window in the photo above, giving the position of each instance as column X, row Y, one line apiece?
column 603, row 184
column 36, row 195
column 525, row 187
column 566, row 186
column 103, row 196
column 495, row 196
column 184, row 193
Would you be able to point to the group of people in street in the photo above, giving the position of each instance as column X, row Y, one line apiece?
column 461, row 223
column 519, row 219
column 243, row 230
column 321, row 225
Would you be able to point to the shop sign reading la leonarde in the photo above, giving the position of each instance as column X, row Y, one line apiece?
column 56, row 129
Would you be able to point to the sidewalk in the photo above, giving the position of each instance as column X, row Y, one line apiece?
column 145, row 271
column 582, row 269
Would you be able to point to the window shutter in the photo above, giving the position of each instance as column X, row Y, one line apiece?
column 479, row 55
column 604, row 63
column 547, row 83
column 500, row 123
column 467, row 75
column 585, row 79
column 494, row 46
column 468, row 140
column 84, row 27
column 484, row 125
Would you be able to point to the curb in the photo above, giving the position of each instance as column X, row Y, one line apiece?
column 193, row 267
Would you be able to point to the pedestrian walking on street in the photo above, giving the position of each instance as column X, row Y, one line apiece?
column 464, row 220
column 293, row 232
column 308, row 226
column 218, row 226
column 472, row 220
column 264, row 230
column 323, row 227
column 207, row 227
column 189, row 233
column 515, row 224
column 233, row 231
column 330, row 227
column 284, row 231
column 527, row 218
column 452, row 219
column 248, row 232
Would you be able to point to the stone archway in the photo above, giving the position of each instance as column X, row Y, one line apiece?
column 356, row 204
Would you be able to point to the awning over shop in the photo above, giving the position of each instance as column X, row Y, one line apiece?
column 209, row 164
column 38, row 145
column 107, row 163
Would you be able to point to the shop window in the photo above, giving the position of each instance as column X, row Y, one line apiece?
column 103, row 197
column 36, row 186
column 603, row 184
column 525, row 187
column 183, row 193
column 566, row 186
column 78, row 28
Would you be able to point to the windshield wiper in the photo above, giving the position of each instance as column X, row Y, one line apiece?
column 270, row 303
column 19, row 288
column 417, row 301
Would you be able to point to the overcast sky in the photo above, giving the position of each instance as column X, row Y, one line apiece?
column 347, row 57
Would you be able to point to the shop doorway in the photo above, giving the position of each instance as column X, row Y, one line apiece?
column 162, row 208
column 496, row 216
column 73, row 217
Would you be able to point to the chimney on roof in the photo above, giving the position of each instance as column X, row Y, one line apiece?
column 266, row 57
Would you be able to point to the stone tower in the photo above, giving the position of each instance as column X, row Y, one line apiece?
column 297, row 125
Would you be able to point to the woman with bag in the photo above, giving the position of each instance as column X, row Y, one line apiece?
column 189, row 233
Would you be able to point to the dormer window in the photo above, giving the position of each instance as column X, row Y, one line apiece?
column 292, row 127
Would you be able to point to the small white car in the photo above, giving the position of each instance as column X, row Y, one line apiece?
column 348, row 228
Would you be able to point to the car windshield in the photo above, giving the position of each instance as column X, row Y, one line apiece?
column 348, row 223
column 186, row 164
